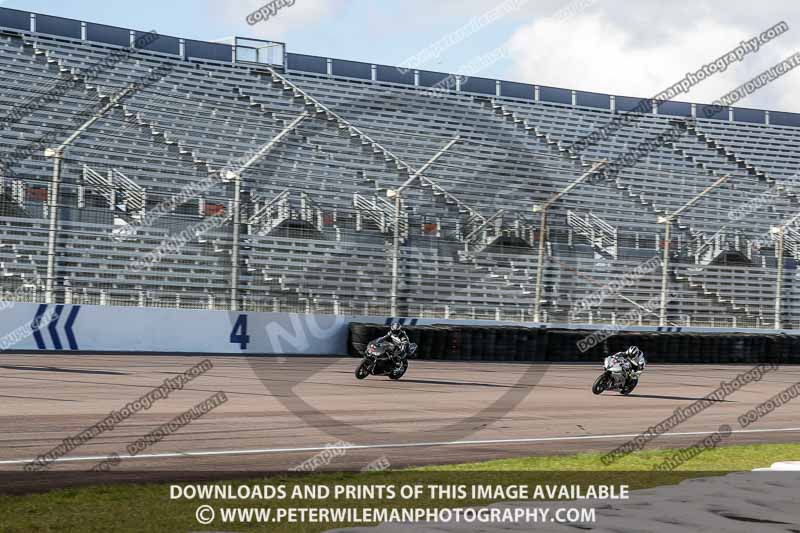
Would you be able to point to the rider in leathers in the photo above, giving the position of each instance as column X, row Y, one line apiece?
column 634, row 358
column 398, row 341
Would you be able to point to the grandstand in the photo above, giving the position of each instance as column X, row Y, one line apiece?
column 292, row 158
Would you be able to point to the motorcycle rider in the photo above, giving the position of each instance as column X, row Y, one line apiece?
column 635, row 359
column 398, row 340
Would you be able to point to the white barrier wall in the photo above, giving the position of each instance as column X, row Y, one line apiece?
column 137, row 329
column 33, row 327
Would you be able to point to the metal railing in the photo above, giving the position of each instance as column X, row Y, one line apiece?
column 601, row 234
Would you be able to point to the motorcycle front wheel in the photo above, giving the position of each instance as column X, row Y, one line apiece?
column 397, row 373
column 362, row 371
column 599, row 384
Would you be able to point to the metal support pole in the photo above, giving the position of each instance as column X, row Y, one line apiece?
column 395, row 251
column 662, row 315
column 237, row 199
column 537, row 306
column 58, row 156
column 667, row 221
column 543, row 231
column 52, row 232
column 781, row 232
column 540, row 267
column 779, row 281
column 236, row 177
column 420, row 174
column 397, row 193
column 266, row 148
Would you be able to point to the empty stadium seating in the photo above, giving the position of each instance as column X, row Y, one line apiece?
column 316, row 225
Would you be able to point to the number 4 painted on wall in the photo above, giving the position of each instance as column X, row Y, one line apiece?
column 239, row 333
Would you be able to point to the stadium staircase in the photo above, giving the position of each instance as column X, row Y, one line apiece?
column 270, row 215
column 706, row 253
column 381, row 212
column 310, row 212
column 620, row 183
column 162, row 136
column 79, row 78
column 473, row 220
column 600, row 234
column 158, row 135
column 375, row 209
column 792, row 242
column 485, row 233
column 180, row 148
column 692, row 128
column 122, row 195
column 715, row 149
column 320, row 110
column 731, row 157
column 523, row 125
column 741, row 313
column 565, row 150
column 558, row 148
column 12, row 198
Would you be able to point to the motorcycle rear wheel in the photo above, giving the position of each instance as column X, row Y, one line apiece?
column 362, row 371
column 599, row 384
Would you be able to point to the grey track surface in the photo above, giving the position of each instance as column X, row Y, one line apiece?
column 49, row 397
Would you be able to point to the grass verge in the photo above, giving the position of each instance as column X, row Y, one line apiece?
column 148, row 507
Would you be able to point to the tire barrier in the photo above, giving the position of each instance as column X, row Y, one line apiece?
column 517, row 343
column 359, row 336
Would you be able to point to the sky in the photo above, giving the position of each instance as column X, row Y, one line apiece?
column 623, row 47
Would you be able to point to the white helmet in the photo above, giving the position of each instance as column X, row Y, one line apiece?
column 633, row 352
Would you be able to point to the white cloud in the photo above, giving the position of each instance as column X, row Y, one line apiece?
column 600, row 51
column 613, row 46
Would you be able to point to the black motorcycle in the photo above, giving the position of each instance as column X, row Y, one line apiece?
column 379, row 362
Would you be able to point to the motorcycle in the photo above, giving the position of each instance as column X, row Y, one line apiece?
column 616, row 377
column 378, row 362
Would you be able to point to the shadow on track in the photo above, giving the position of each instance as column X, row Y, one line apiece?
column 687, row 398
column 37, row 398
column 466, row 383
column 56, row 369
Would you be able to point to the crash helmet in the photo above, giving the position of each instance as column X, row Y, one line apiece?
column 395, row 327
column 633, row 353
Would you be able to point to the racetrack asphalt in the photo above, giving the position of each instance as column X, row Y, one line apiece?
column 281, row 411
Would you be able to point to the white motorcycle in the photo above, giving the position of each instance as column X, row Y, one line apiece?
column 617, row 375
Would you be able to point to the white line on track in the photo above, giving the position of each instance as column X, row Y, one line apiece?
column 375, row 446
